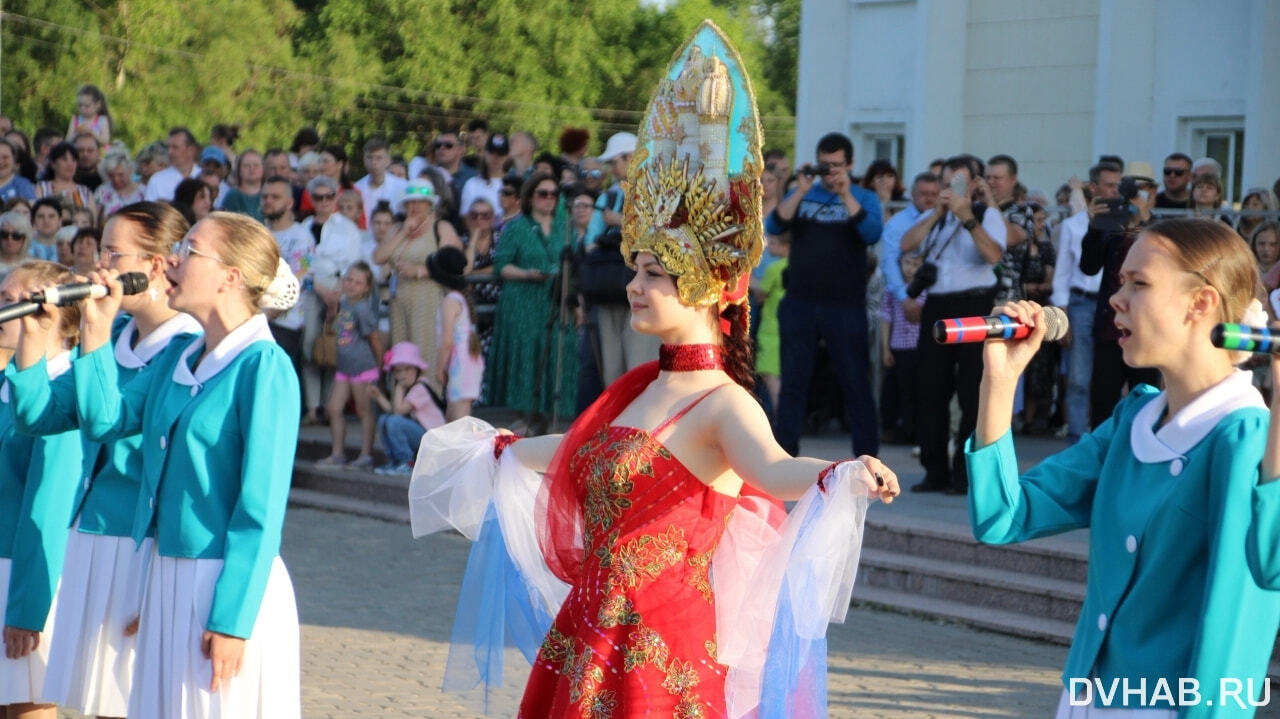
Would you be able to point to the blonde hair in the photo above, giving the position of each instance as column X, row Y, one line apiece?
column 38, row 273
column 1214, row 252
column 248, row 246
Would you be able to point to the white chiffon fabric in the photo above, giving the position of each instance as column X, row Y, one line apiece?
column 454, row 480
column 811, row 553
column 90, row 658
column 22, row 680
column 172, row 675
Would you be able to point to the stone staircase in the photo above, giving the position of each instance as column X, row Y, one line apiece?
column 934, row 568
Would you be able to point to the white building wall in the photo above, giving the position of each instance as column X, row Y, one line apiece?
column 1054, row 83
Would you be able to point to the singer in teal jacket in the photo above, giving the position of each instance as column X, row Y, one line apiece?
column 217, row 454
column 37, row 486
column 108, row 492
column 1170, row 592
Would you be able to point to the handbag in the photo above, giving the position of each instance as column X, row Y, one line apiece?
column 325, row 352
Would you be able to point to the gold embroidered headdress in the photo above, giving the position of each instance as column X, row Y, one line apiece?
column 693, row 192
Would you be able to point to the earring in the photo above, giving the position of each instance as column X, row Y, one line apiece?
column 152, row 294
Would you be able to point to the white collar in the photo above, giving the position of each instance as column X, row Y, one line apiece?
column 1193, row 422
column 255, row 329
column 131, row 357
column 54, row 366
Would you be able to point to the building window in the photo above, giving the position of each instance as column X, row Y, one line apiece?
column 879, row 141
column 1221, row 138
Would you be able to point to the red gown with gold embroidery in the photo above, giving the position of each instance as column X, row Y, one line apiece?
column 636, row 635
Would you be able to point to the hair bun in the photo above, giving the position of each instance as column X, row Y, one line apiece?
column 282, row 293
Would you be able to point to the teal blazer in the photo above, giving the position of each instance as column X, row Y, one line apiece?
column 37, row 487
column 217, row 457
column 1170, row 593
column 107, row 487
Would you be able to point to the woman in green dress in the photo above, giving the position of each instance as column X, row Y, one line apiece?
column 531, row 338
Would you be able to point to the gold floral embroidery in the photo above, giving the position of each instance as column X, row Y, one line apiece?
column 583, row 676
column 558, row 649
column 680, row 678
column 645, row 557
column 690, row 707
column 700, row 577
column 710, row 645
column 600, row 706
column 617, row 611
column 647, row 647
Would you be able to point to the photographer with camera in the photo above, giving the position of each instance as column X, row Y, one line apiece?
column 962, row 240
column 832, row 221
column 1112, row 221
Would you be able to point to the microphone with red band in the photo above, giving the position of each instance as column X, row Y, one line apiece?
column 62, row 295
column 962, row 330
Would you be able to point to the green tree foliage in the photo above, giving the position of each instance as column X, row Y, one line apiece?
column 402, row 69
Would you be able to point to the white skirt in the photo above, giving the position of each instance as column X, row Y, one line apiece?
column 1088, row 711
column 22, row 680
column 90, row 658
column 171, row 674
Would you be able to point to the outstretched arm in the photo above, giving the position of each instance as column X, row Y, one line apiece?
column 536, row 452
column 741, row 430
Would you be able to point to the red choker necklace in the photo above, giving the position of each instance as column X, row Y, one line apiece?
column 687, row 358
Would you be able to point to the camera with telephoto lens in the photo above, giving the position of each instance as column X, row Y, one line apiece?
column 925, row 278
column 821, row 170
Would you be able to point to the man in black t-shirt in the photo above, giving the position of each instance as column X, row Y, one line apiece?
column 1177, row 183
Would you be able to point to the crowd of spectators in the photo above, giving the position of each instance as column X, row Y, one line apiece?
column 486, row 269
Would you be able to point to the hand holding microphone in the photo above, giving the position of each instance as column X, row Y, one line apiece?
column 1021, row 326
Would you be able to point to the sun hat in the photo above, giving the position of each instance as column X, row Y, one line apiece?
column 420, row 189
column 447, row 266
column 406, row 353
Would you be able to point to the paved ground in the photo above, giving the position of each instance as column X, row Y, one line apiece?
column 377, row 607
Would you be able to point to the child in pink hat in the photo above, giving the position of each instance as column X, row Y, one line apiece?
column 409, row 412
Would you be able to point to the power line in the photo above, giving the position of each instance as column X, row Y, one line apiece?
column 637, row 115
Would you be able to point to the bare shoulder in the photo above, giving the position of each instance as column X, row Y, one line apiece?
column 733, row 401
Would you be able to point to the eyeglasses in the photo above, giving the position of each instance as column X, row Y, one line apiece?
column 583, row 205
column 323, row 197
column 481, row 215
column 546, row 194
column 112, row 255
column 1174, row 171
column 10, row 235
column 185, row 251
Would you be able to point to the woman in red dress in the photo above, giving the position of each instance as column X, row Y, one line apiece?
column 677, row 457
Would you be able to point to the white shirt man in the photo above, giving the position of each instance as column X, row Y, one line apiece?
column 379, row 185
column 182, row 165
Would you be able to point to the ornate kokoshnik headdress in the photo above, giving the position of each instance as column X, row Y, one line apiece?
column 693, row 187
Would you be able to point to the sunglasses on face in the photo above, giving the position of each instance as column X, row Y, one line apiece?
column 445, row 145
column 593, row 174
column 545, row 194
column 1174, row 171
column 481, row 215
column 506, row 192
column 8, row 235
column 323, row 197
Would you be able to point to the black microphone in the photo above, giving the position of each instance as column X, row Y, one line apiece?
column 1243, row 338
column 979, row 329
column 134, row 282
column 62, row 295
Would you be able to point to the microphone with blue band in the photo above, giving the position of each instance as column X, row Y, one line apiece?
column 962, row 330
column 1243, row 338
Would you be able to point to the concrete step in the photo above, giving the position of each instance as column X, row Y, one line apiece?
column 347, row 505
column 993, row 620
column 358, row 484
column 1037, row 597
column 937, row 540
